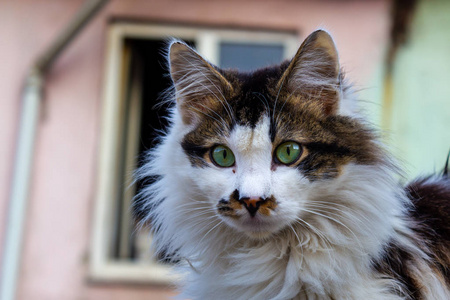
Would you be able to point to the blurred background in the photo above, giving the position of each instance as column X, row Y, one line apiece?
column 77, row 110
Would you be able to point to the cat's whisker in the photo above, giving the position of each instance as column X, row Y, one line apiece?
column 319, row 213
column 194, row 209
column 220, row 222
column 195, row 216
column 347, row 212
column 189, row 207
column 318, row 232
column 330, row 206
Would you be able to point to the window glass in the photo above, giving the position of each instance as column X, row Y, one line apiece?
column 249, row 56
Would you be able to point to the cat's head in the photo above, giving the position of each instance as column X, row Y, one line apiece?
column 262, row 145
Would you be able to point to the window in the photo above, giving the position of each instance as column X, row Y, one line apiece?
column 135, row 77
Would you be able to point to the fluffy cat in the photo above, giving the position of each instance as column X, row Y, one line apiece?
column 265, row 189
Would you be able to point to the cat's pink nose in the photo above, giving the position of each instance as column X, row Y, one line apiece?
column 252, row 204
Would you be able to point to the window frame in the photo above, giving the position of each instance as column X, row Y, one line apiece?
column 102, row 268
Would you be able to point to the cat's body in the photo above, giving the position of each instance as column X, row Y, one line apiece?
column 267, row 191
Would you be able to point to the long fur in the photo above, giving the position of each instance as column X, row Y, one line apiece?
column 341, row 241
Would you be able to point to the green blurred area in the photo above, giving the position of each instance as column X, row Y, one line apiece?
column 416, row 124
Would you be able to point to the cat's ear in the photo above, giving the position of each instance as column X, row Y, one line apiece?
column 199, row 87
column 314, row 72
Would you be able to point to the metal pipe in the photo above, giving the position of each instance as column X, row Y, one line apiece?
column 31, row 101
column 89, row 9
column 19, row 191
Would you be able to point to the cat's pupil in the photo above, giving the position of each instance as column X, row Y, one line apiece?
column 288, row 150
column 224, row 154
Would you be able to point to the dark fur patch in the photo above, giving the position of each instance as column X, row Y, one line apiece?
column 431, row 199
column 194, row 151
column 251, row 98
column 228, row 207
column 431, row 216
column 395, row 265
column 141, row 206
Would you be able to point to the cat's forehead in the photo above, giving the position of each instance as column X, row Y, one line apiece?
column 251, row 139
column 254, row 93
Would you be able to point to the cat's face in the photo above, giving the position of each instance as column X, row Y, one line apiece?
column 262, row 144
column 253, row 192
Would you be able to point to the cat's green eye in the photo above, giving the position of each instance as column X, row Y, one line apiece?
column 288, row 152
column 222, row 156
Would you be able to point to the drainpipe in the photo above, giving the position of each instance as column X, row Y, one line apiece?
column 29, row 119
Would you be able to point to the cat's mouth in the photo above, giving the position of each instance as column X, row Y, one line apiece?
column 257, row 226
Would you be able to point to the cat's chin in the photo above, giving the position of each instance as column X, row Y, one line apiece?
column 255, row 228
column 258, row 235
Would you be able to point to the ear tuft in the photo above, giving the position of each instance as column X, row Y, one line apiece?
column 314, row 72
column 179, row 55
column 199, row 86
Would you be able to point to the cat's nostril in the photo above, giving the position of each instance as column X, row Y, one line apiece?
column 252, row 204
column 252, row 201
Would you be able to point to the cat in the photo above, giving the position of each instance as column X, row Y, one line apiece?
column 264, row 187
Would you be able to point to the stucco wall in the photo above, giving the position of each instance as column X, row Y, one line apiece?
column 62, row 195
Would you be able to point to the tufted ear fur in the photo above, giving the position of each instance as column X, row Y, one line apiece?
column 314, row 72
column 199, row 86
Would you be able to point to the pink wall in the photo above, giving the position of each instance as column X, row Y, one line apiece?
column 62, row 196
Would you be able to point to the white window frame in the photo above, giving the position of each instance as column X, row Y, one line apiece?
column 101, row 267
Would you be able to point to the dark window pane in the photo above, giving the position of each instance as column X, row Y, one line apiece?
column 246, row 57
